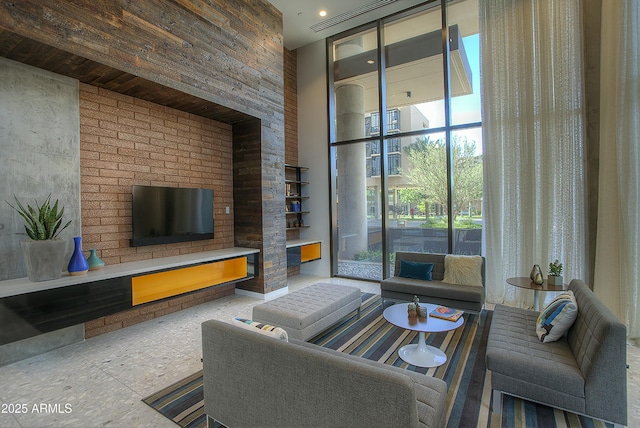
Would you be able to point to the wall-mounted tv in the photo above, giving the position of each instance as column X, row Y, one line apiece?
column 163, row 215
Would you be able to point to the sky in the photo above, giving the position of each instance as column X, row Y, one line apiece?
column 465, row 108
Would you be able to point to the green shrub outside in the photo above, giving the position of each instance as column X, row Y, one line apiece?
column 441, row 223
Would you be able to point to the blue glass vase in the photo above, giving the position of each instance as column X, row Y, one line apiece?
column 78, row 265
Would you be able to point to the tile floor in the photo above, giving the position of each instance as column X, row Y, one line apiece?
column 101, row 381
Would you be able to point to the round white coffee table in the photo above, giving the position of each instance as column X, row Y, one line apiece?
column 420, row 354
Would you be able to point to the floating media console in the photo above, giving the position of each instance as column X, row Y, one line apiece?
column 29, row 309
column 302, row 251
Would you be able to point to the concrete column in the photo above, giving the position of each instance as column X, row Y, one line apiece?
column 352, row 171
column 351, row 164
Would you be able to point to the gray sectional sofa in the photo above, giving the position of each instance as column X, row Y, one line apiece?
column 469, row 298
column 584, row 372
column 254, row 380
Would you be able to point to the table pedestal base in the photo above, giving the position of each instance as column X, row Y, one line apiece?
column 421, row 354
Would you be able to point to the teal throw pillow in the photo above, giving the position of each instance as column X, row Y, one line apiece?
column 415, row 270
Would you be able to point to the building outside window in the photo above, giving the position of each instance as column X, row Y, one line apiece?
column 394, row 145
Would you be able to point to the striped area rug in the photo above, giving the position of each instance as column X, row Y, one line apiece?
column 371, row 337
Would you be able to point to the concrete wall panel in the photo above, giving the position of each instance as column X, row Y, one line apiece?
column 40, row 152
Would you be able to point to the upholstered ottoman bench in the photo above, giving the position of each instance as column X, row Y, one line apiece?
column 306, row 312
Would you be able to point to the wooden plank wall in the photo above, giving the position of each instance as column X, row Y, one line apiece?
column 229, row 52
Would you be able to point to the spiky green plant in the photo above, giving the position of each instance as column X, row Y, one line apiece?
column 43, row 221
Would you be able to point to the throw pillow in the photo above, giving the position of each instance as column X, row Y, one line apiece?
column 266, row 329
column 557, row 317
column 462, row 270
column 416, row 270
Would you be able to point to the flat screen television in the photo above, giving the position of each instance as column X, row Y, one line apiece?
column 164, row 215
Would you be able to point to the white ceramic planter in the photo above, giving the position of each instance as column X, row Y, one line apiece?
column 554, row 280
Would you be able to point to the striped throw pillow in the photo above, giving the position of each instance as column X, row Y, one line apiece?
column 258, row 327
column 557, row 317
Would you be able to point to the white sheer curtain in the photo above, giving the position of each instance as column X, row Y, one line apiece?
column 533, row 133
column 617, row 265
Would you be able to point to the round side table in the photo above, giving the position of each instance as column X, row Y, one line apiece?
column 525, row 282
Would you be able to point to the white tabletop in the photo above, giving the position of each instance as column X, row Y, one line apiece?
column 397, row 315
column 291, row 243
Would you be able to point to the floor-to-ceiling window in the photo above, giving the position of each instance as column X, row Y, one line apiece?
column 405, row 138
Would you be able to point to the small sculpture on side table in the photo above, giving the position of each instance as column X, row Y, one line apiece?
column 536, row 275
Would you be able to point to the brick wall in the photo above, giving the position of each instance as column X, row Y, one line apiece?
column 126, row 141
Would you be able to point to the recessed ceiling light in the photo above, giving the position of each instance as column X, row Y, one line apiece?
column 370, row 61
column 322, row 13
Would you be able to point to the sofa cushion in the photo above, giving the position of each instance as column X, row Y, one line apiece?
column 463, row 270
column 434, row 289
column 437, row 259
column 257, row 327
column 416, row 270
column 559, row 315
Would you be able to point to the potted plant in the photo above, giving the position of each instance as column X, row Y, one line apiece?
column 44, row 253
column 555, row 273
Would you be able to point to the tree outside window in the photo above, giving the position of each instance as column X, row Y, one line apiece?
column 428, row 171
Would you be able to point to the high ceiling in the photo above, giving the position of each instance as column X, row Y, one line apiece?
column 299, row 16
column 413, row 45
